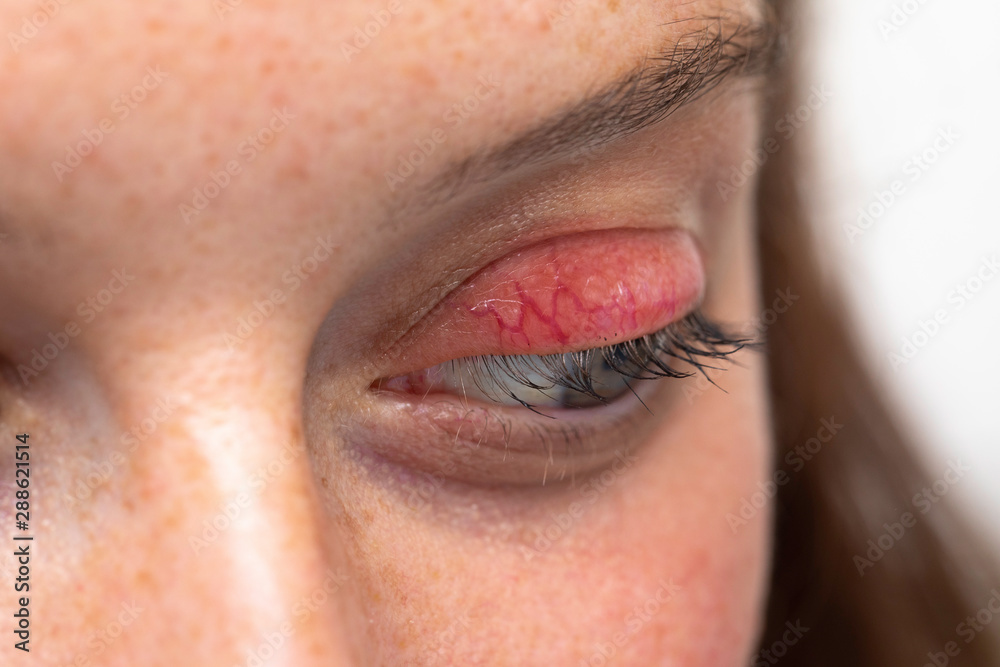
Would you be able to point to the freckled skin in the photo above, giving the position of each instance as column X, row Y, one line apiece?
column 247, row 523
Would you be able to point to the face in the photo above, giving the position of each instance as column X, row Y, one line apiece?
column 240, row 246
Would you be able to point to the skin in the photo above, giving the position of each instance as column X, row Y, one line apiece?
column 400, row 547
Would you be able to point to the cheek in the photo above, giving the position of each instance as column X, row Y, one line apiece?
column 638, row 562
column 682, row 523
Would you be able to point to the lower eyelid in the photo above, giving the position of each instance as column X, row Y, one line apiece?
column 445, row 438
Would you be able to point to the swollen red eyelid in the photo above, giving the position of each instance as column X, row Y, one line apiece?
column 572, row 293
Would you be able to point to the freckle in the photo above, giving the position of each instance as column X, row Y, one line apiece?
column 279, row 98
column 223, row 43
column 154, row 26
column 132, row 204
column 281, row 44
column 422, row 75
column 266, row 67
column 613, row 6
column 144, row 578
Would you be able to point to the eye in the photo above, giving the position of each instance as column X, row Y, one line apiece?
column 539, row 367
column 584, row 379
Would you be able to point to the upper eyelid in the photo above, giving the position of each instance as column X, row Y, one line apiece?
column 649, row 277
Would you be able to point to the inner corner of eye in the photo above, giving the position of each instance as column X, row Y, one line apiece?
column 415, row 382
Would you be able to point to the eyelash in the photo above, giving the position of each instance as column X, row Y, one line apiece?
column 694, row 342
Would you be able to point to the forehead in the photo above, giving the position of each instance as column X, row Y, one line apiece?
column 357, row 75
column 281, row 119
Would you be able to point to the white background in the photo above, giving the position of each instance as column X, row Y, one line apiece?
column 897, row 80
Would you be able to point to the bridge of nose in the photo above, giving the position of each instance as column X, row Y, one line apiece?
column 214, row 526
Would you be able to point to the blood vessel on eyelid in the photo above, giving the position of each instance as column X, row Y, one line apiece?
column 575, row 292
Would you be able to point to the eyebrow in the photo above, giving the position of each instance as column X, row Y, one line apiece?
column 690, row 66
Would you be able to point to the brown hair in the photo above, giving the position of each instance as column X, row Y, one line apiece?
column 912, row 600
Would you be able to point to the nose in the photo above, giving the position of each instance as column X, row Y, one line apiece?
column 215, row 527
